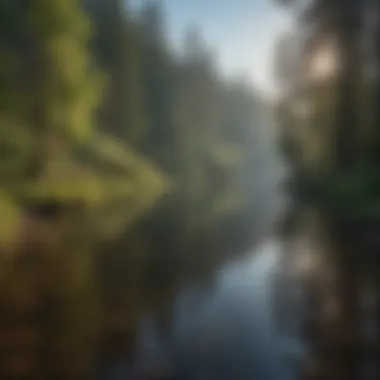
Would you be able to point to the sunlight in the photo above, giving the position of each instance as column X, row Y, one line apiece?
column 323, row 63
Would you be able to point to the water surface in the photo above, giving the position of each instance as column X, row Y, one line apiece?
column 226, row 332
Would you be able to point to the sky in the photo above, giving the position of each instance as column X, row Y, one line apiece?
column 242, row 32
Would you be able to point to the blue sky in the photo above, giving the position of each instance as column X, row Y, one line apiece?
column 242, row 32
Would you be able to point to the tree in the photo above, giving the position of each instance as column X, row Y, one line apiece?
column 345, row 137
column 158, row 95
column 50, row 89
column 116, row 45
column 62, row 107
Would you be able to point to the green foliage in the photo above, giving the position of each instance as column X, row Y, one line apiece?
column 15, row 143
column 9, row 217
column 70, row 90
column 50, row 89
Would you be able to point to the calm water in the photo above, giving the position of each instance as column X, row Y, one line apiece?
column 226, row 332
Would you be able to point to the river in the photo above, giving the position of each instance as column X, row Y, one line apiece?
column 225, row 332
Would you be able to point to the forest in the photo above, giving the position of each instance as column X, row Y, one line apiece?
column 328, row 69
column 127, row 170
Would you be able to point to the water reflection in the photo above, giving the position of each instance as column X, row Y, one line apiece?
column 225, row 332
